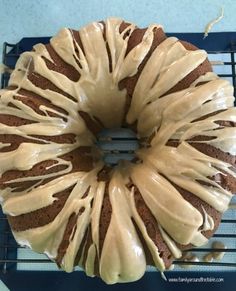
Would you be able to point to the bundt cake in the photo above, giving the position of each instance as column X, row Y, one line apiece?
column 61, row 199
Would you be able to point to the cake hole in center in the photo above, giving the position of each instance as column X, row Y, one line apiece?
column 117, row 144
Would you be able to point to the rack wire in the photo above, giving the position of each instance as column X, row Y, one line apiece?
column 117, row 145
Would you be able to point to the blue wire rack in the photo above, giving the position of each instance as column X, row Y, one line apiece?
column 215, row 43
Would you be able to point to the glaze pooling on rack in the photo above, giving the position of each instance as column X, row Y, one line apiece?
column 175, row 116
column 189, row 257
column 214, row 254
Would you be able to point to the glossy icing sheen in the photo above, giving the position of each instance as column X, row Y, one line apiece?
column 174, row 116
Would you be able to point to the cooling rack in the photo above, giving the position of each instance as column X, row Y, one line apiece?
column 17, row 263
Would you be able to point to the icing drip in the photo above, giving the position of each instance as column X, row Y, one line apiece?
column 96, row 79
column 183, row 126
column 208, row 221
column 101, row 63
column 44, row 239
column 167, row 205
column 171, row 244
column 170, row 56
column 190, row 163
column 126, row 259
column 29, row 154
column 5, row 69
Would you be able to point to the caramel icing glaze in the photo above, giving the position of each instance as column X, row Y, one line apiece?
column 176, row 116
